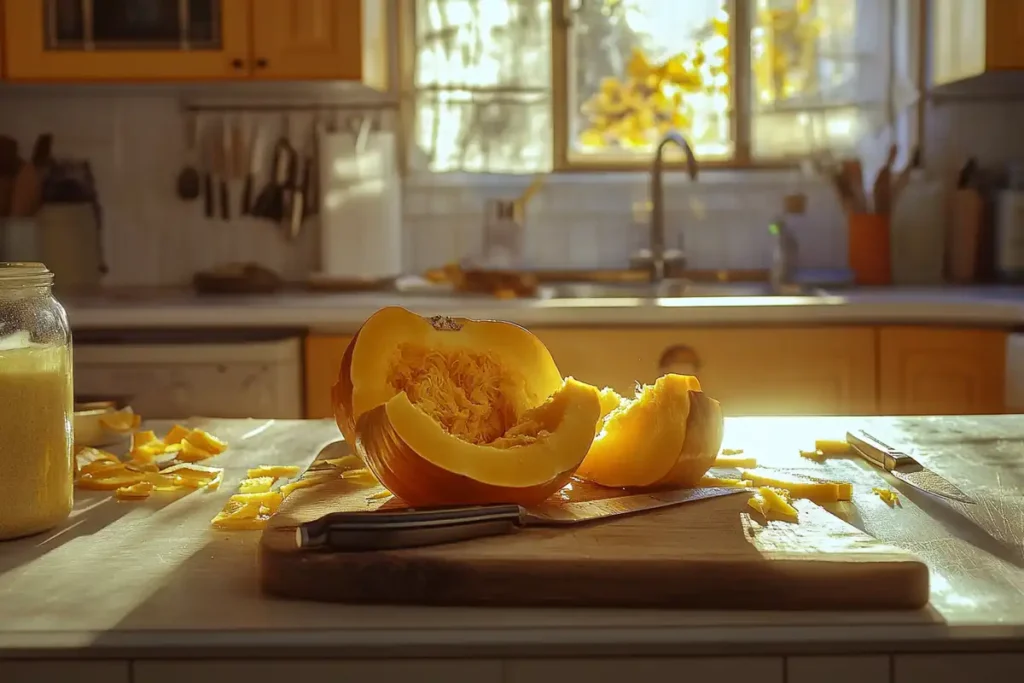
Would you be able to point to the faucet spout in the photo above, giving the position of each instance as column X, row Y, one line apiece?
column 657, row 237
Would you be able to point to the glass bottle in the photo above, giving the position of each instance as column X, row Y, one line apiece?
column 36, row 403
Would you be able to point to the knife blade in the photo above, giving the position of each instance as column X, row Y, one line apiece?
column 904, row 467
column 417, row 527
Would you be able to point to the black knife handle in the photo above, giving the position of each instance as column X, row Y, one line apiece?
column 208, row 199
column 247, row 196
column 359, row 531
column 225, row 206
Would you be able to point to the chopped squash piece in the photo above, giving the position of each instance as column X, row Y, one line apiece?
column 380, row 494
column 773, row 504
column 192, row 453
column 241, row 524
column 800, row 486
column 205, row 441
column 832, row 447
column 120, row 421
column 140, row 466
column 361, row 473
column 97, row 468
column 176, row 434
column 142, row 438
column 271, row 500
column 109, row 481
column 139, row 491
column 163, row 482
column 708, row 480
column 815, row 455
column 256, row 485
column 90, row 455
column 890, row 497
column 734, row 461
column 732, row 451
column 196, row 476
column 276, row 471
column 304, row 483
column 346, row 462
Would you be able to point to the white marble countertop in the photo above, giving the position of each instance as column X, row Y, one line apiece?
column 324, row 312
column 151, row 579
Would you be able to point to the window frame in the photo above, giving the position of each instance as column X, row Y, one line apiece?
column 741, row 119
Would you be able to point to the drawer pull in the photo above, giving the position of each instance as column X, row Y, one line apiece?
column 679, row 359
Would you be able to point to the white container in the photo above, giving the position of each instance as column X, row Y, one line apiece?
column 918, row 237
column 1009, row 235
column 360, row 208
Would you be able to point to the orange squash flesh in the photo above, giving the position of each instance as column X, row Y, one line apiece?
column 668, row 436
column 454, row 411
column 421, row 463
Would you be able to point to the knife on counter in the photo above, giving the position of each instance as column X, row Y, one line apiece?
column 416, row 527
column 904, row 467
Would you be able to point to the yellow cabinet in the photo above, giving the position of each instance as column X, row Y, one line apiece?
column 310, row 39
column 972, row 37
column 117, row 40
column 752, row 371
column 196, row 40
column 323, row 358
column 935, row 371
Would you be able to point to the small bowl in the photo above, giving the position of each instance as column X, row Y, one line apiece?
column 89, row 430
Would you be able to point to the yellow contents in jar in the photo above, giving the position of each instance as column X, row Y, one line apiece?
column 36, row 458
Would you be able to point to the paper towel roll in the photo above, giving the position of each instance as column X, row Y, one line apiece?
column 360, row 208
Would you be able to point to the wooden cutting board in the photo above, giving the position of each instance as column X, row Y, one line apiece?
column 715, row 554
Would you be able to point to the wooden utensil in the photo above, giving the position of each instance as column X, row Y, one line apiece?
column 26, row 194
column 881, row 192
column 903, row 177
column 854, row 175
column 188, row 179
column 715, row 553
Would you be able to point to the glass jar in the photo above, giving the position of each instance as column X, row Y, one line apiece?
column 36, row 403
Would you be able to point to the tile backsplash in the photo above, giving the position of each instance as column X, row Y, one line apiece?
column 135, row 141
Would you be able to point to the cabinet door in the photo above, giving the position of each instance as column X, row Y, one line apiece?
column 127, row 40
column 1004, row 26
column 323, row 358
column 751, row 371
column 958, row 39
column 936, row 371
column 316, row 39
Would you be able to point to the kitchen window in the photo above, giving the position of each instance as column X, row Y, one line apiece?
column 525, row 86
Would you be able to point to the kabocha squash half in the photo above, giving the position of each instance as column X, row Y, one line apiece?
column 667, row 436
column 454, row 411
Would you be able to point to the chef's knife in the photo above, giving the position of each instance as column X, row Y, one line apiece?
column 904, row 467
column 414, row 527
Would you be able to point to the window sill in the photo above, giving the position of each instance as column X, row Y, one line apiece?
column 672, row 178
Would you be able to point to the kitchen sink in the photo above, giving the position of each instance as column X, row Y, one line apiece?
column 666, row 289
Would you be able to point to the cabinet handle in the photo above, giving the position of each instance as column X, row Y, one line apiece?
column 261, row 63
column 680, row 359
column 237, row 63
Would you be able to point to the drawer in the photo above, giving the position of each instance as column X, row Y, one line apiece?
column 595, row 670
column 342, row 671
column 57, row 671
column 838, row 669
column 751, row 371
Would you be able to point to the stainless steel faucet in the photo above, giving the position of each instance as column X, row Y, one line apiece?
column 657, row 239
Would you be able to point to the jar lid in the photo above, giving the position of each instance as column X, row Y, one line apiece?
column 27, row 274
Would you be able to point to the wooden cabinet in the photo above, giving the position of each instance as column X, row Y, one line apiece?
column 936, row 371
column 972, row 37
column 323, row 358
column 335, row 39
column 72, row 41
column 766, row 371
column 196, row 40
column 752, row 371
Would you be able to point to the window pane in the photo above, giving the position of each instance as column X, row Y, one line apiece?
column 482, row 81
column 639, row 68
column 466, row 131
column 811, row 73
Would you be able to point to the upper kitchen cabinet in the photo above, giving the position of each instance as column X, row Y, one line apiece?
column 126, row 40
column 320, row 39
column 196, row 40
column 973, row 37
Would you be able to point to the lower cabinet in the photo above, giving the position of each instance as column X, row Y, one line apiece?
column 851, row 370
column 751, row 371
